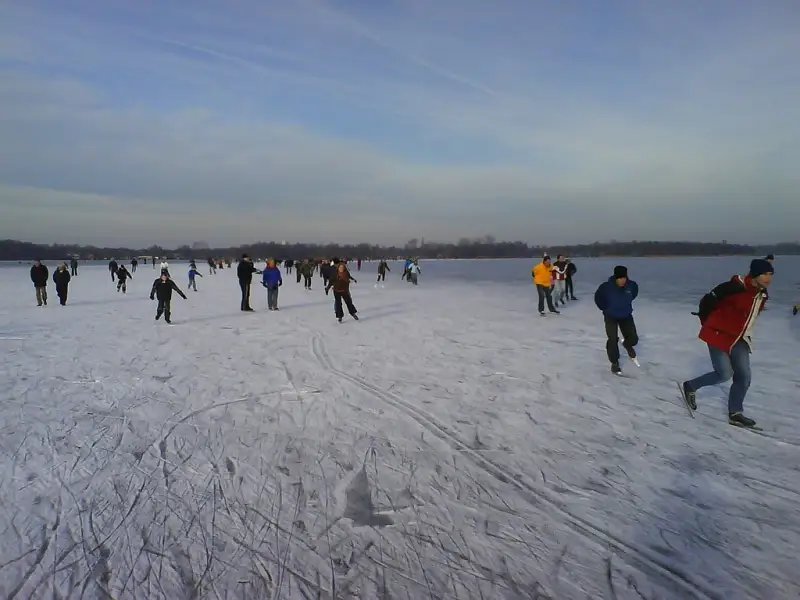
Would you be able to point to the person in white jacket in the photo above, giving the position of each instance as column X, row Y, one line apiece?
column 413, row 272
column 165, row 267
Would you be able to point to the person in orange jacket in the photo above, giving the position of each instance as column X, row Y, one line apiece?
column 542, row 274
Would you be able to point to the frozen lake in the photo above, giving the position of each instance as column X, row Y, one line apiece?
column 451, row 444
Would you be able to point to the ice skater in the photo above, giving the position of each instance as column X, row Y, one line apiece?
column 560, row 281
column 272, row 280
column 727, row 316
column 570, row 285
column 61, row 278
column 134, row 264
column 162, row 289
column 74, row 267
column 615, row 299
column 39, row 277
column 414, row 272
column 122, row 279
column 341, row 292
column 193, row 272
column 542, row 277
column 383, row 268
column 113, row 267
column 244, row 272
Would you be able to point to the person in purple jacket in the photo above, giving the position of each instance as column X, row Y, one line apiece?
column 272, row 280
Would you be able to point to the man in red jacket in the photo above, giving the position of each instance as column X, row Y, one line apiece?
column 728, row 314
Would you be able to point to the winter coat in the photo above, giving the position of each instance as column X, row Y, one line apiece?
column 271, row 277
column 245, row 270
column 307, row 269
column 383, row 267
column 414, row 269
column 571, row 270
column 123, row 273
column 729, row 310
column 615, row 301
column 163, row 290
column 39, row 276
column 560, row 270
column 193, row 273
column 542, row 274
column 112, row 266
column 340, row 281
column 61, row 278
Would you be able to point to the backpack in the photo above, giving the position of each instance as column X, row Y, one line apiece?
column 709, row 301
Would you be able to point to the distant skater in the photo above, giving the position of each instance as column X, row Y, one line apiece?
column 245, row 272
column 61, row 278
column 542, row 275
column 134, row 264
column 74, row 267
column 165, row 266
column 383, row 268
column 113, row 267
column 615, row 299
column 414, row 272
column 727, row 316
column 569, row 284
column 162, row 289
column 39, row 277
column 272, row 280
column 193, row 272
column 341, row 292
column 308, row 272
column 122, row 279
column 560, row 280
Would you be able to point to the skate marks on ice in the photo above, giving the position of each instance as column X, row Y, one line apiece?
column 647, row 562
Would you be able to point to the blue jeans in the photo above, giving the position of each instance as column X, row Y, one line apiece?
column 735, row 365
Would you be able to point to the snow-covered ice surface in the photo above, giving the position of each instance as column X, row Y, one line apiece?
column 451, row 444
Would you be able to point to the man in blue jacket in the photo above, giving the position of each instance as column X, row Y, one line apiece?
column 615, row 298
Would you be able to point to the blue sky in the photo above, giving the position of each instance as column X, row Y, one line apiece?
column 142, row 121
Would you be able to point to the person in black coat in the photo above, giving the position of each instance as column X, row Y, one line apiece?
column 112, row 267
column 245, row 272
column 61, row 278
column 162, row 289
column 39, row 277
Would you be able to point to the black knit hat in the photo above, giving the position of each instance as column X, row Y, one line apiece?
column 760, row 266
column 620, row 272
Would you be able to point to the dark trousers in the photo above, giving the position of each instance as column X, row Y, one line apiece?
column 74, row 271
column 338, row 297
column 570, row 288
column 299, row 275
column 122, row 285
column 245, row 287
column 133, row 267
column 113, row 275
column 630, row 337
column 61, row 291
column 41, row 295
column 308, row 281
column 164, row 309
column 545, row 294
column 381, row 276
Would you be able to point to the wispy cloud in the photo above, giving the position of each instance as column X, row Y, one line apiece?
column 314, row 119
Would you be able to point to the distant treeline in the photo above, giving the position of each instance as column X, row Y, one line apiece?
column 465, row 248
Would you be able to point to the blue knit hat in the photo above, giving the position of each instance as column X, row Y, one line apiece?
column 760, row 266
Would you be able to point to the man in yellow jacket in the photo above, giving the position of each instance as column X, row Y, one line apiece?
column 542, row 279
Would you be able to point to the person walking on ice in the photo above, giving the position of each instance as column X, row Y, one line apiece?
column 727, row 316
column 74, row 267
column 414, row 272
column 162, row 289
column 193, row 272
column 39, row 277
column 61, row 278
column 541, row 279
column 272, row 280
column 122, row 279
column 615, row 299
column 341, row 292
column 383, row 268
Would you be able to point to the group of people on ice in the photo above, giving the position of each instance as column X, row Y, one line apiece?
column 554, row 284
